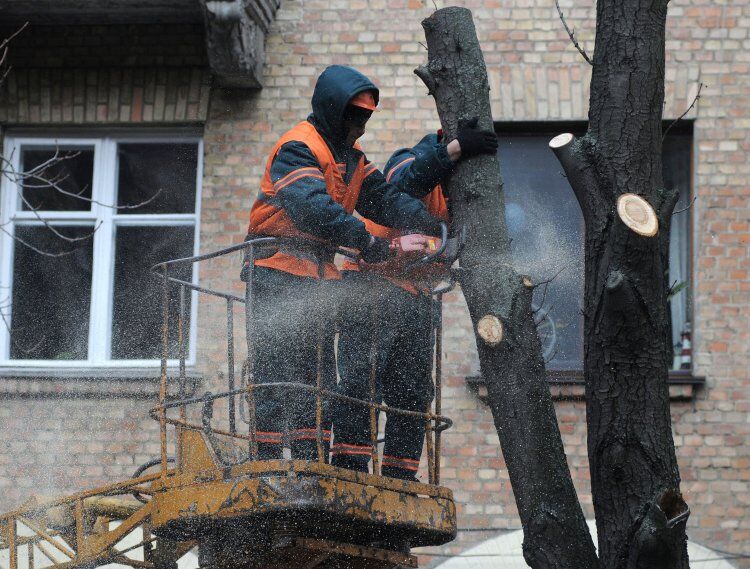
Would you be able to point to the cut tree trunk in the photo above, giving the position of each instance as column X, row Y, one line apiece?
column 634, row 476
column 499, row 301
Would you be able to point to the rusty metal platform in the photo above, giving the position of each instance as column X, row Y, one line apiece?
column 216, row 495
column 263, row 500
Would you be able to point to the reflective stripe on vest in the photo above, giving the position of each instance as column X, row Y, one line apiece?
column 269, row 219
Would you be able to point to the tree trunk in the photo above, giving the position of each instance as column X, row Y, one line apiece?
column 499, row 301
column 634, row 477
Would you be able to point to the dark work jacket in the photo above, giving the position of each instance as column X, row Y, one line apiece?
column 418, row 172
column 307, row 202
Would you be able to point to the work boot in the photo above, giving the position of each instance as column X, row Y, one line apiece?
column 270, row 451
column 307, row 450
column 400, row 473
column 351, row 462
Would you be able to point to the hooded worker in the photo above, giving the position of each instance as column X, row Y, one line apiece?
column 389, row 314
column 316, row 176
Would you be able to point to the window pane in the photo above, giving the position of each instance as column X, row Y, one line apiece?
column 546, row 226
column 136, row 321
column 51, row 296
column 145, row 169
column 676, row 159
column 69, row 170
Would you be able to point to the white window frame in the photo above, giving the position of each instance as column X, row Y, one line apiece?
column 104, row 190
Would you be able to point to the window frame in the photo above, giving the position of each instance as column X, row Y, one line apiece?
column 106, row 220
column 685, row 126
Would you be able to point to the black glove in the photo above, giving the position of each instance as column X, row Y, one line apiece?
column 377, row 251
column 474, row 141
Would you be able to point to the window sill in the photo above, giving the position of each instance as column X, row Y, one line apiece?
column 89, row 382
column 569, row 385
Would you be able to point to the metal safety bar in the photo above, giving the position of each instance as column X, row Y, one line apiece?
column 434, row 421
column 61, row 532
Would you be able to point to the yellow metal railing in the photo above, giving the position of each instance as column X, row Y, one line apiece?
column 435, row 422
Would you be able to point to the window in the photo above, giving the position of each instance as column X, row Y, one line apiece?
column 546, row 226
column 78, row 240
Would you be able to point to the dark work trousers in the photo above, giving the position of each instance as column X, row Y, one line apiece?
column 402, row 333
column 291, row 315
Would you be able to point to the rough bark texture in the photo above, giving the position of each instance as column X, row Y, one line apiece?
column 634, row 477
column 555, row 533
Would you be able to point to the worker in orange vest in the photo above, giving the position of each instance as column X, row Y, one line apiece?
column 396, row 319
column 316, row 176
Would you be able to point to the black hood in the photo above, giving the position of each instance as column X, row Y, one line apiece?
column 333, row 90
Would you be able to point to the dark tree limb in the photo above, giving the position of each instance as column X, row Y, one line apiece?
column 634, row 476
column 580, row 174
column 499, row 301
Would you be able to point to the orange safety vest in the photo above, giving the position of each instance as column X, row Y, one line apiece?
column 413, row 283
column 267, row 219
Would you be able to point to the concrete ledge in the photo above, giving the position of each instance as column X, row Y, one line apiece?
column 89, row 383
column 569, row 385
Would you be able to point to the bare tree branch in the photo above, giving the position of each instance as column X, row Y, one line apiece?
column 4, row 53
column 687, row 207
column 37, row 173
column 553, row 355
column 678, row 119
column 26, row 351
column 36, row 249
column 557, row 274
column 571, row 34
column 6, row 41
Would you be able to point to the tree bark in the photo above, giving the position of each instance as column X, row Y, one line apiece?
column 634, row 476
column 499, row 301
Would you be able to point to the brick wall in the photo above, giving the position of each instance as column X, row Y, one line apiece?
column 54, row 445
column 535, row 74
column 89, row 75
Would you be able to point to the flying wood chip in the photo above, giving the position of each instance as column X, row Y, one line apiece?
column 490, row 329
column 637, row 214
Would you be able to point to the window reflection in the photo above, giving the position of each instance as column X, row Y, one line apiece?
column 50, row 301
column 158, row 175
column 136, row 318
column 546, row 227
column 61, row 181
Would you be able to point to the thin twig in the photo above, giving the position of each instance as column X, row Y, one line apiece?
column 57, row 188
column 20, row 348
column 49, row 226
column 35, row 249
column 571, row 34
column 544, row 298
column 557, row 274
column 5, row 73
column 687, row 207
column 37, row 173
column 678, row 119
column 9, row 39
column 6, row 69
column 553, row 356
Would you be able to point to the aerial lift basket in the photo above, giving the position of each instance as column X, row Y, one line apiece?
column 215, row 496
